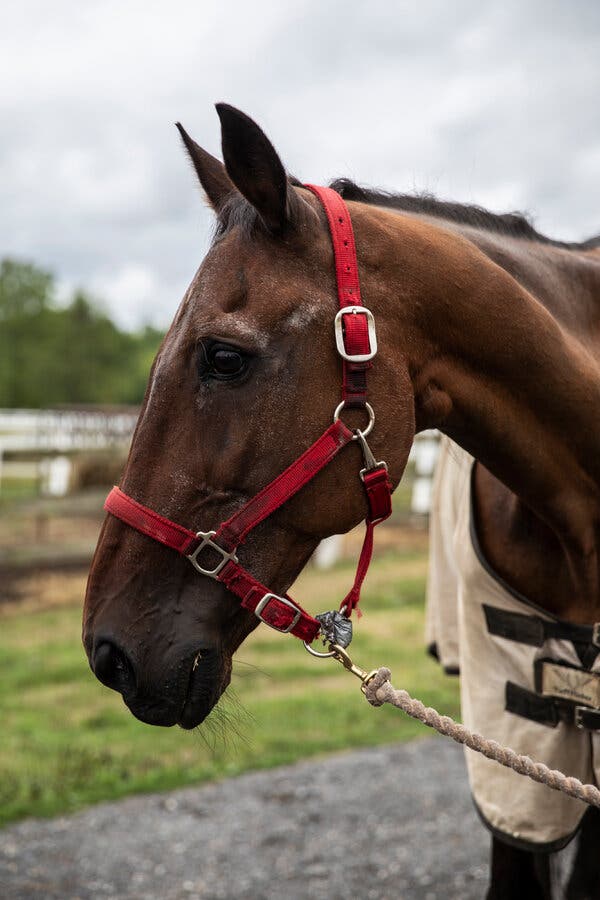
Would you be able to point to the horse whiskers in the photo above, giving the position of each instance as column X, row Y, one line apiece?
column 241, row 662
column 223, row 724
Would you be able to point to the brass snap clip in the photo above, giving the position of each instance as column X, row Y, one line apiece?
column 342, row 656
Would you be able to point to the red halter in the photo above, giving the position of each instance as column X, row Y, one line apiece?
column 357, row 344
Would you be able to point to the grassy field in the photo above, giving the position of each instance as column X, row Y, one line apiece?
column 67, row 741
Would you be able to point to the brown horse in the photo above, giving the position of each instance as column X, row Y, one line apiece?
column 486, row 330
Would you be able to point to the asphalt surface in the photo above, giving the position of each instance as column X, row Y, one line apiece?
column 393, row 822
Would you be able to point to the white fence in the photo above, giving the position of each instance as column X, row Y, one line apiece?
column 424, row 454
column 23, row 430
column 33, row 443
column 46, row 436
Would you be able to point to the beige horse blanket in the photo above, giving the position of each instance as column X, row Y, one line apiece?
column 511, row 656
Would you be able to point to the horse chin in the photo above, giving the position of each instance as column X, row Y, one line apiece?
column 153, row 713
column 209, row 677
column 195, row 712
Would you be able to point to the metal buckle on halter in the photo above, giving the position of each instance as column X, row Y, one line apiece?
column 266, row 600
column 206, row 540
column 339, row 333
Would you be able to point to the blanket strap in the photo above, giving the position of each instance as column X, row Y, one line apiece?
column 533, row 630
column 549, row 710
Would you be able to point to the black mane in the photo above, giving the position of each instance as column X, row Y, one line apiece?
column 237, row 212
column 515, row 224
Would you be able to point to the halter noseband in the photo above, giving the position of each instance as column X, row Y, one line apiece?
column 356, row 343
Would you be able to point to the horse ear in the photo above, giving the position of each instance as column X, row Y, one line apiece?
column 211, row 172
column 254, row 167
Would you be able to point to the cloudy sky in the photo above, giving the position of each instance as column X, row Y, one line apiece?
column 489, row 102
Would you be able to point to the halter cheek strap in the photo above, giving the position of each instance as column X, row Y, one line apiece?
column 355, row 335
column 213, row 553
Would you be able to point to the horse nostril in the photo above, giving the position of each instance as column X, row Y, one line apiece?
column 112, row 667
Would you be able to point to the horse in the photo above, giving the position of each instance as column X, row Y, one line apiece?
column 486, row 330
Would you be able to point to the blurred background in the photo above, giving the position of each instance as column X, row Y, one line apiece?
column 102, row 227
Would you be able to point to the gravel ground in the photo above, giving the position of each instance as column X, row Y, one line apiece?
column 394, row 822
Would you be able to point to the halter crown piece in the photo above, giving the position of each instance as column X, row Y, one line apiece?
column 213, row 553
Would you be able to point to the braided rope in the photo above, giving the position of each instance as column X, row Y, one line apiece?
column 379, row 690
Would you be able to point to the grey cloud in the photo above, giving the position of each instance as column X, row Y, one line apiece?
column 493, row 103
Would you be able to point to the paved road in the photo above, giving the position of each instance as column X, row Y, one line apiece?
column 394, row 822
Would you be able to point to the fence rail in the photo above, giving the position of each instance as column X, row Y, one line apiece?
column 39, row 445
column 51, row 436
column 61, row 431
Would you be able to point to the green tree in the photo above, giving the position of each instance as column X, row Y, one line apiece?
column 25, row 289
column 26, row 296
column 51, row 355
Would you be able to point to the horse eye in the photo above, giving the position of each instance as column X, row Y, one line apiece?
column 222, row 362
column 227, row 362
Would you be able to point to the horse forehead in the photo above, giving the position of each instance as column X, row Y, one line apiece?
column 306, row 312
column 250, row 303
column 257, row 325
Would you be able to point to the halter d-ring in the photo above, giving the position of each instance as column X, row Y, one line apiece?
column 358, row 432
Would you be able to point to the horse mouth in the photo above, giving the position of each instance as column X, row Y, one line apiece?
column 207, row 681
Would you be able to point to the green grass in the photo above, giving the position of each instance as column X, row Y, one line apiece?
column 14, row 490
column 67, row 741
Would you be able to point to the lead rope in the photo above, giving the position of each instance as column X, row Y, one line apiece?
column 377, row 688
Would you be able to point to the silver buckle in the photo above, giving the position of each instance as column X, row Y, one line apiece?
column 577, row 714
column 207, row 541
column 578, row 718
column 265, row 600
column 339, row 333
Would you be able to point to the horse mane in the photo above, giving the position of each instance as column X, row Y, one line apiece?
column 237, row 212
column 515, row 224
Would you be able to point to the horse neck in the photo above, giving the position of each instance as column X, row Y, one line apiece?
column 509, row 375
column 563, row 278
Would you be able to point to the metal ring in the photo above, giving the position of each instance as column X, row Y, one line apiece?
column 316, row 652
column 370, row 413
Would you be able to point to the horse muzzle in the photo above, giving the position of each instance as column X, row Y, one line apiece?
column 183, row 696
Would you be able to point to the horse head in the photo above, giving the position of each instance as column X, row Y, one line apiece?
column 246, row 379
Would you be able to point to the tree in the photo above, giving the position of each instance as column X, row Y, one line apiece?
column 25, row 289
column 51, row 355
